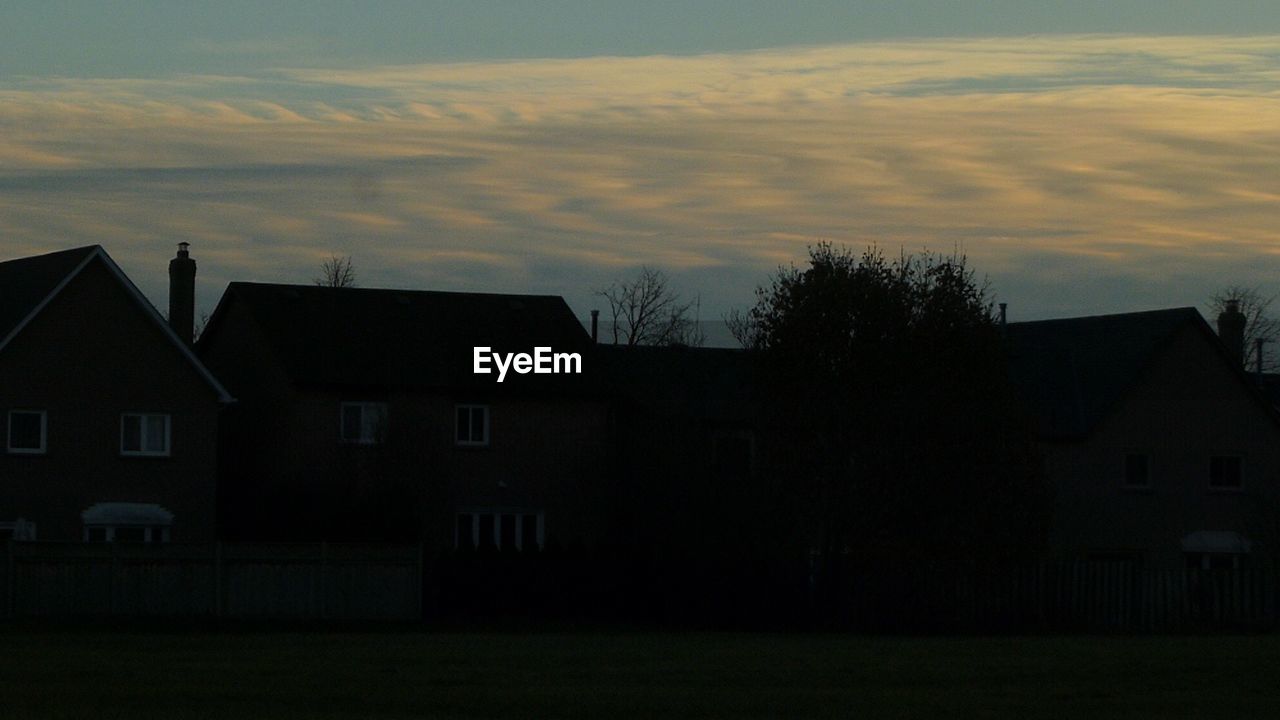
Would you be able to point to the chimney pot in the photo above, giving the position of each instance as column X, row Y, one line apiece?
column 595, row 326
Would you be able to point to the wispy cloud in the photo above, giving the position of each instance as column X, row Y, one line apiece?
column 1144, row 164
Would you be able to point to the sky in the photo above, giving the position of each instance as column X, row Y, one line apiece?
column 1086, row 157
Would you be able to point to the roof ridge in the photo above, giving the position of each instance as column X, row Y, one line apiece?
column 58, row 277
column 83, row 249
column 1185, row 309
column 321, row 288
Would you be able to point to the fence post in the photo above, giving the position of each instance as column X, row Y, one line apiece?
column 111, row 582
column 10, row 580
column 324, row 579
column 217, row 579
column 420, row 579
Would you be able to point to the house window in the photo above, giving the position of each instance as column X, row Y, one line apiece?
column 1137, row 470
column 1225, row 472
column 1214, row 561
column 149, row 534
column 363, row 423
column 518, row 529
column 27, row 430
column 144, row 434
column 17, row 530
column 472, row 425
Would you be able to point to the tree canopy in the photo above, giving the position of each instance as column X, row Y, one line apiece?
column 888, row 395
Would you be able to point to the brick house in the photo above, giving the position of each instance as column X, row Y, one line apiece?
column 109, row 419
column 1160, row 449
column 360, row 417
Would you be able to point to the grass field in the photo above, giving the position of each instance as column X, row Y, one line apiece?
column 83, row 673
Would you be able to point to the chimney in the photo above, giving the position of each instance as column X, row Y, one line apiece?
column 1004, row 319
column 1231, row 330
column 595, row 326
column 182, row 293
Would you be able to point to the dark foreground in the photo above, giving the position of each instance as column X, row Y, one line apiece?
column 258, row 673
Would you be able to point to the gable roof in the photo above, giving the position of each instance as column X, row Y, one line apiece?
column 1073, row 371
column 386, row 338
column 28, row 284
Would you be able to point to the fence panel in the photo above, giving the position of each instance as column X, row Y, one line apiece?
column 290, row 581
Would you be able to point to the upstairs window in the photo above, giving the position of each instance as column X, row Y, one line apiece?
column 1137, row 470
column 1225, row 472
column 144, row 434
column 472, row 425
column 27, row 430
column 363, row 423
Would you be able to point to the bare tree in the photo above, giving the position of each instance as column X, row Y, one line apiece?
column 1258, row 324
column 741, row 327
column 646, row 311
column 201, row 324
column 337, row 271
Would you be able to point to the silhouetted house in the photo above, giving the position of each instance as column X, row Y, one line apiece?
column 109, row 420
column 1160, row 449
column 360, row 416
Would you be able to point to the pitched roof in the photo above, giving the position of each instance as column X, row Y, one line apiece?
column 28, row 284
column 1073, row 371
column 384, row 338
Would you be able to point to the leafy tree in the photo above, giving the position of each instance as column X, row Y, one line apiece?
column 1258, row 323
column 893, row 418
column 646, row 311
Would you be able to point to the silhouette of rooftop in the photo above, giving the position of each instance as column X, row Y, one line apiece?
column 26, row 282
column 1073, row 371
column 392, row 338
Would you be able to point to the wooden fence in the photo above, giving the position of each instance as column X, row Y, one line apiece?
column 296, row 581
column 1072, row 596
column 332, row 581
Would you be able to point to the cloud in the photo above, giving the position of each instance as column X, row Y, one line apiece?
column 1082, row 173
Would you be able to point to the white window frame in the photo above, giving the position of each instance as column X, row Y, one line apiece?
column 23, row 530
column 470, row 407
column 142, row 435
column 369, row 434
column 44, row 433
column 497, row 513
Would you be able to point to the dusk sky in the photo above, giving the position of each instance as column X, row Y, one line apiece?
column 1088, row 157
